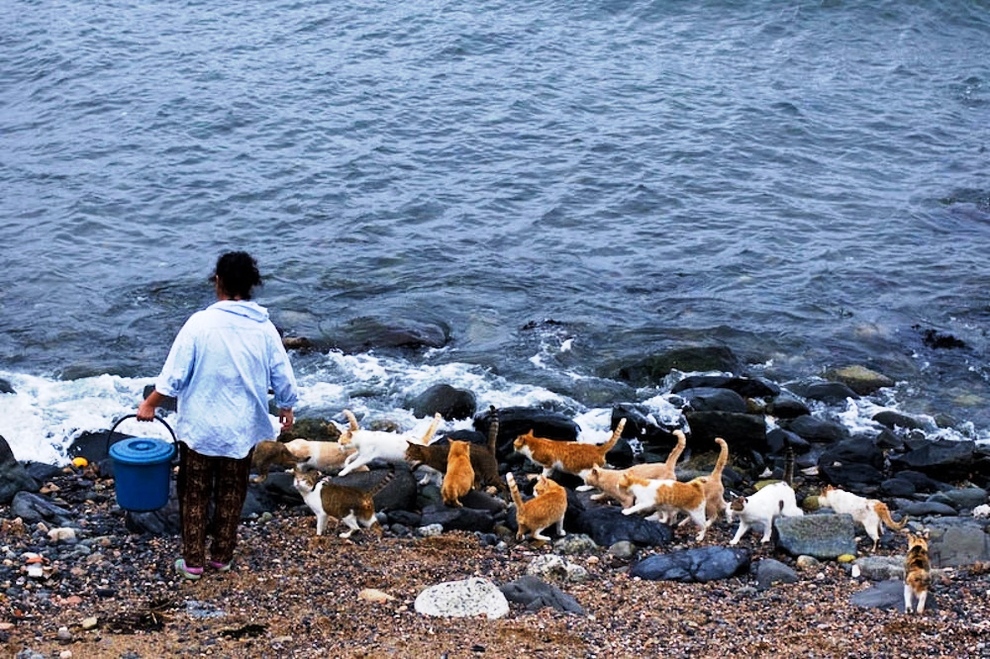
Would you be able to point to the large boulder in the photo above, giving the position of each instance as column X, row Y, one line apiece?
column 693, row 565
column 823, row 536
column 468, row 598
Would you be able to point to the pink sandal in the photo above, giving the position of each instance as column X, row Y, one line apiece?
column 191, row 573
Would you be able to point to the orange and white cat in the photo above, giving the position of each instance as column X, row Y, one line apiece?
column 547, row 508
column 917, row 572
column 607, row 480
column 322, row 455
column 872, row 514
column 377, row 444
column 715, row 503
column 667, row 496
column 571, row 457
column 459, row 477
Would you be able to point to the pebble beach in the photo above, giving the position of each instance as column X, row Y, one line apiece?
column 106, row 592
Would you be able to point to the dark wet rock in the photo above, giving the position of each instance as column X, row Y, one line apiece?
column 888, row 595
column 367, row 333
column 956, row 542
column 515, row 421
column 858, row 478
column 892, row 420
column 459, row 519
column 709, row 399
column 888, row 439
column 939, row 340
column 919, row 509
column 831, row 393
column 606, row 525
column 399, row 494
column 6, row 387
column 855, row 450
column 771, row 572
column 788, row 406
column 815, row 430
column 778, row 440
column 651, row 370
column 744, row 386
column 315, row 429
column 967, row 498
column 740, row 430
column 897, row 487
column 922, row 482
column 860, row 379
column 40, row 471
column 823, row 536
column 881, row 568
column 945, row 460
column 14, row 477
column 452, row 403
column 34, row 508
column 701, row 564
column 408, row 518
column 640, row 425
column 536, row 594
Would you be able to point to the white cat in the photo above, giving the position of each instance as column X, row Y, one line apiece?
column 774, row 500
column 370, row 445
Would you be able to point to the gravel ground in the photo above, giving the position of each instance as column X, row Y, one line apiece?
column 292, row 594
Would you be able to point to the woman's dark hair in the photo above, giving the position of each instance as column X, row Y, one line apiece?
column 237, row 273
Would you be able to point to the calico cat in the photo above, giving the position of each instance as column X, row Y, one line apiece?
column 545, row 509
column 353, row 507
column 571, row 457
column 607, row 480
column 459, row 478
column 483, row 459
column 870, row 513
column 773, row 500
column 666, row 496
column 917, row 572
column 375, row 444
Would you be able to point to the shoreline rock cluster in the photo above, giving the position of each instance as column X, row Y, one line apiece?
column 62, row 529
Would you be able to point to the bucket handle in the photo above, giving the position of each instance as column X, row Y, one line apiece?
column 175, row 439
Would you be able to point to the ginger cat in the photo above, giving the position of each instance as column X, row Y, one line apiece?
column 917, row 572
column 375, row 444
column 483, row 459
column 571, row 457
column 870, row 513
column 459, row 478
column 712, row 484
column 547, row 508
column 665, row 496
column 340, row 503
column 607, row 480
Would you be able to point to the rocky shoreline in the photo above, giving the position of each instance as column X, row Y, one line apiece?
column 81, row 577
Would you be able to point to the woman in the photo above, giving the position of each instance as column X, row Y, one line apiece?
column 220, row 369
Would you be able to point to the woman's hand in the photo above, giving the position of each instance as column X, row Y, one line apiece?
column 286, row 418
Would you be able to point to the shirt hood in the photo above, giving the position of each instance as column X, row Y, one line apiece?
column 246, row 308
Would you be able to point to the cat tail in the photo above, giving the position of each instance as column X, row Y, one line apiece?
column 723, row 458
column 675, row 453
column 514, row 490
column 383, row 483
column 493, row 429
column 432, row 430
column 619, row 427
column 884, row 512
column 789, row 465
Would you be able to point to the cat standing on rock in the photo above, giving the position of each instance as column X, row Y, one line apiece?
column 870, row 513
column 547, row 508
column 460, row 474
column 570, row 457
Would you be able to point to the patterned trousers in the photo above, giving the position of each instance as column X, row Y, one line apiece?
column 204, row 480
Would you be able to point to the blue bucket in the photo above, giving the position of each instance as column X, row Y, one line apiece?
column 142, row 468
